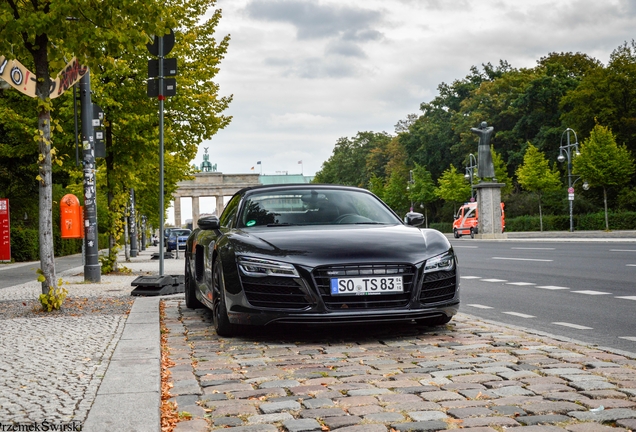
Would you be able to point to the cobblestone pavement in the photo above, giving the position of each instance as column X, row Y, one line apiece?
column 469, row 375
column 51, row 365
column 51, row 368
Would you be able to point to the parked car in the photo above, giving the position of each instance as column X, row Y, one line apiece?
column 466, row 220
column 318, row 254
column 177, row 237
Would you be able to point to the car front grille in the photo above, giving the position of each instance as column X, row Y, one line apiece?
column 438, row 287
column 323, row 275
column 274, row 292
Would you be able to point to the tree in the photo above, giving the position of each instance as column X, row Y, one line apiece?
column 38, row 33
column 501, row 172
column 603, row 163
column 395, row 194
column 452, row 187
column 423, row 188
column 535, row 175
column 348, row 163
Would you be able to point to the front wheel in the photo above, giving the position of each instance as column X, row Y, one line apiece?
column 456, row 233
column 191, row 300
column 222, row 323
column 472, row 233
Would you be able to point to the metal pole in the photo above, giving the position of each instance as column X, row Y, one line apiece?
column 568, row 152
column 161, row 203
column 132, row 221
column 92, row 270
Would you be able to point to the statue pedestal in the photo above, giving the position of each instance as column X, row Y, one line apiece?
column 489, row 211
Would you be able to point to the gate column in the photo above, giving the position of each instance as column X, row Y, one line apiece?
column 195, row 211
column 177, row 211
column 219, row 205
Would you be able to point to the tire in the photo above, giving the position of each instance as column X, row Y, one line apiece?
column 472, row 233
column 191, row 300
column 432, row 322
column 222, row 323
column 455, row 233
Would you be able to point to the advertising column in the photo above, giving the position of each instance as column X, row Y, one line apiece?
column 5, row 231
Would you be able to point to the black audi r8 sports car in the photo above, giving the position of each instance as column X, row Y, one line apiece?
column 318, row 254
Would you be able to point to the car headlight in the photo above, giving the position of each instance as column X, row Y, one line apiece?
column 257, row 267
column 443, row 262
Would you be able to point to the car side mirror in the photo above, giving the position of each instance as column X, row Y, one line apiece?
column 414, row 219
column 209, row 223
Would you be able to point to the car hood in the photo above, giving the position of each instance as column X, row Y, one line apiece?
column 312, row 246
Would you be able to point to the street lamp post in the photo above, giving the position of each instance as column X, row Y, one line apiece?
column 470, row 170
column 408, row 187
column 567, row 149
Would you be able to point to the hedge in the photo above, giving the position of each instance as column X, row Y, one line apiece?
column 587, row 222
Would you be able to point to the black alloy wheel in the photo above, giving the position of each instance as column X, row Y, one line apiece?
column 455, row 233
column 191, row 300
column 472, row 233
column 222, row 323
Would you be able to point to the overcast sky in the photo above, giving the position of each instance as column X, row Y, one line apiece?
column 305, row 73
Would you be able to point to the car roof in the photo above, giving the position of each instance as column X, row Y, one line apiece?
column 280, row 187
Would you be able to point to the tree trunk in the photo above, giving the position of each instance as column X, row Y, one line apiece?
column 605, row 203
column 110, row 186
column 39, row 50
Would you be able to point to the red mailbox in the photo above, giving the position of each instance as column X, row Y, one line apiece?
column 5, row 231
column 71, row 217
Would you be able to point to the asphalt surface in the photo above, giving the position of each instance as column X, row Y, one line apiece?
column 101, row 372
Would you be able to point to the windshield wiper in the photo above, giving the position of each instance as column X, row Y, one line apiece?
column 280, row 224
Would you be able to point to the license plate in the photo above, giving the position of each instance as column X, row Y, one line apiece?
column 366, row 285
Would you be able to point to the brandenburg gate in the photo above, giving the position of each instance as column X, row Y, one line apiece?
column 209, row 184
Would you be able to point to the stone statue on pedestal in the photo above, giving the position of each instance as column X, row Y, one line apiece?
column 485, row 166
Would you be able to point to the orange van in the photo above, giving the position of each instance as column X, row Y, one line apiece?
column 466, row 221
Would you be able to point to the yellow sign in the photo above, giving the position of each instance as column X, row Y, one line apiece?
column 23, row 80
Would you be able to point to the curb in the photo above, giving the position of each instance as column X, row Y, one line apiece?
column 129, row 397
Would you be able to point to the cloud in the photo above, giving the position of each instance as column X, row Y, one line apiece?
column 314, row 20
column 299, row 120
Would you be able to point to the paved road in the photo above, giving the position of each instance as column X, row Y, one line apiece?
column 19, row 273
column 585, row 290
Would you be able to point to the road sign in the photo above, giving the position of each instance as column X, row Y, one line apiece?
column 168, row 44
column 169, row 87
column 571, row 190
column 169, row 67
column 571, row 196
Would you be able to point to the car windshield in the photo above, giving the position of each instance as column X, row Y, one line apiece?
column 179, row 232
column 313, row 206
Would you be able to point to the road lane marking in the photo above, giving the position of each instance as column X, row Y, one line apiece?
column 574, row 326
column 590, row 292
column 627, row 297
column 622, row 250
column 520, row 283
column 517, row 314
column 478, row 306
column 631, row 265
column 522, row 259
column 465, row 247
column 552, row 287
column 629, row 338
column 470, row 277
column 530, row 248
column 494, row 280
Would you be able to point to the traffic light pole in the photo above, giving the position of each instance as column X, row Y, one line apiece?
column 92, row 269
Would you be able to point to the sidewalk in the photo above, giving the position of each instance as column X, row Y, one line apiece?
column 102, row 371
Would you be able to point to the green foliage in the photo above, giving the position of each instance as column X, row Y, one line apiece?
column 603, row 163
column 536, row 176
column 586, row 222
column 453, row 186
column 501, row 173
column 356, row 160
column 54, row 298
column 24, row 244
column 395, row 194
